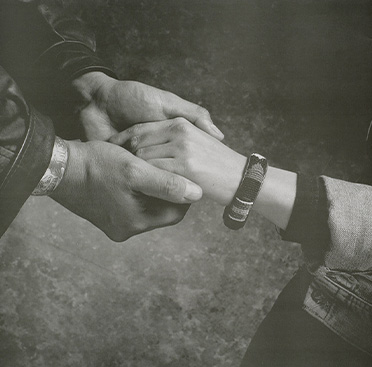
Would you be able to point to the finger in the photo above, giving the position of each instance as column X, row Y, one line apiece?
column 167, row 186
column 166, row 164
column 196, row 114
column 143, row 135
column 167, row 150
column 210, row 129
column 120, row 138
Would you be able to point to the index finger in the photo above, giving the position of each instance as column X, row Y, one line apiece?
column 196, row 114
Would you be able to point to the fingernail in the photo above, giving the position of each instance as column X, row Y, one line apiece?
column 217, row 131
column 193, row 192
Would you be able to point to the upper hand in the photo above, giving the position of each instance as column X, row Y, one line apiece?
column 119, row 193
column 112, row 105
column 178, row 146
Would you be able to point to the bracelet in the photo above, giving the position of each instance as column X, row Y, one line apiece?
column 236, row 213
column 55, row 171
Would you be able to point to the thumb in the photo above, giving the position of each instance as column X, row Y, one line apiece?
column 168, row 186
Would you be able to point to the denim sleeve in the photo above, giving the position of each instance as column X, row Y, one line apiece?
column 350, row 225
column 332, row 220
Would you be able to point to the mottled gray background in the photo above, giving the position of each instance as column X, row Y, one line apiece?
column 288, row 79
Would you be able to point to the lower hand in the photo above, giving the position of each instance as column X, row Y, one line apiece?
column 111, row 105
column 179, row 147
column 119, row 193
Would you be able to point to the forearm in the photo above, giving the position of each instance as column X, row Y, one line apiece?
column 177, row 146
column 300, row 206
column 276, row 198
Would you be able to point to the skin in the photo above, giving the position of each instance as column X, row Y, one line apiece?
column 108, row 106
column 119, row 193
column 177, row 146
column 106, row 184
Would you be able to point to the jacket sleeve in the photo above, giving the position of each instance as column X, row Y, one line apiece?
column 308, row 224
column 43, row 47
column 332, row 219
column 26, row 144
column 350, row 225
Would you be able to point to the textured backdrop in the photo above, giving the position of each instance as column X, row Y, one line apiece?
column 290, row 80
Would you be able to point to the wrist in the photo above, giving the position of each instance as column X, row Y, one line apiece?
column 75, row 171
column 55, row 172
column 236, row 213
column 233, row 177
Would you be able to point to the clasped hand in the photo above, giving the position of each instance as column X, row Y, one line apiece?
column 109, row 186
column 179, row 147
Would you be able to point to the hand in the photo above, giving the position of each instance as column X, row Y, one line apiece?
column 179, row 147
column 111, row 105
column 111, row 188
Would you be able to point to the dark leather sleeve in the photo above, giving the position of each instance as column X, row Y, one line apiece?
column 44, row 48
column 26, row 144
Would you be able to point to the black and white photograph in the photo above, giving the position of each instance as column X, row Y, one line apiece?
column 185, row 183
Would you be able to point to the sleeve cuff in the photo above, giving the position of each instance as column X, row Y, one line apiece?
column 27, row 168
column 308, row 224
column 53, row 74
column 65, row 61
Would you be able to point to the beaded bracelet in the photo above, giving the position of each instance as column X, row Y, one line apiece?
column 55, row 171
column 236, row 213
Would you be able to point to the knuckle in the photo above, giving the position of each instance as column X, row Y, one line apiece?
column 180, row 121
column 173, row 186
column 133, row 143
column 132, row 172
column 135, row 130
column 139, row 153
column 180, row 125
column 185, row 147
column 188, row 165
column 202, row 112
